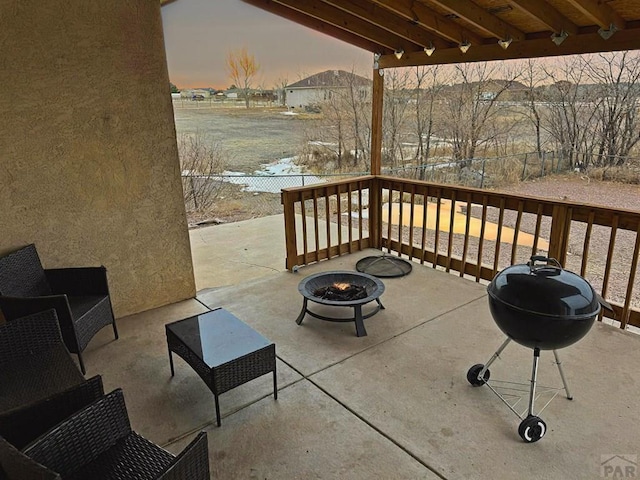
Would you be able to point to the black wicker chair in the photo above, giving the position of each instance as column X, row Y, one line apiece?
column 97, row 443
column 80, row 296
column 15, row 465
column 24, row 424
column 34, row 362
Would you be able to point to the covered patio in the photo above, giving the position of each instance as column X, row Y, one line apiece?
column 393, row 404
column 92, row 177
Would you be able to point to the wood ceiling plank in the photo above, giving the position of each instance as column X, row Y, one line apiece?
column 346, row 21
column 387, row 20
column 475, row 15
column 601, row 13
column 545, row 13
column 430, row 19
column 319, row 26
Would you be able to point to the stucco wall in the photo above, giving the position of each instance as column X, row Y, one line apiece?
column 88, row 160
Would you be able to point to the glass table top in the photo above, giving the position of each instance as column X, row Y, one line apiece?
column 217, row 337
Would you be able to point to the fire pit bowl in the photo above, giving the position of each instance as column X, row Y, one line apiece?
column 341, row 289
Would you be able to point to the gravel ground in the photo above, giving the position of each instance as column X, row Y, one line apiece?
column 571, row 188
column 580, row 189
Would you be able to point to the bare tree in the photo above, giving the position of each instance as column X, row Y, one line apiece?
column 429, row 83
column 339, row 138
column 281, row 89
column 397, row 93
column 242, row 68
column 471, row 106
column 532, row 78
column 571, row 110
column 617, row 78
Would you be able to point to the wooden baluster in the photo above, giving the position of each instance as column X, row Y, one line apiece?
column 585, row 245
column 632, row 277
column 467, row 226
column 607, row 270
column 496, row 257
column 360, row 229
column 400, row 222
column 349, row 217
column 481, row 239
column 412, row 220
column 536, row 235
column 339, row 221
column 327, row 208
column 423, row 243
column 452, row 220
column 389, row 219
column 305, row 239
column 316, row 225
column 436, row 240
column 516, row 232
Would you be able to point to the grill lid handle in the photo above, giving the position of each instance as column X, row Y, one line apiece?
column 550, row 267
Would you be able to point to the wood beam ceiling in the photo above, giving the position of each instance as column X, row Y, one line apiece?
column 347, row 21
column 321, row 26
column 482, row 19
column 546, row 14
column 390, row 21
column 601, row 13
column 387, row 26
column 428, row 18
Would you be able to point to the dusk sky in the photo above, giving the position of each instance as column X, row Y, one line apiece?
column 199, row 34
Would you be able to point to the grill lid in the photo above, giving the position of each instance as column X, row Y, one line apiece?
column 545, row 289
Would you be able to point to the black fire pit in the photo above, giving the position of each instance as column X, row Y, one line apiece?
column 341, row 289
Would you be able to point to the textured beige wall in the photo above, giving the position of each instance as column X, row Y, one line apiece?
column 89, row 167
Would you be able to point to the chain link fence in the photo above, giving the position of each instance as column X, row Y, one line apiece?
column 485, row 172
column 234, row 197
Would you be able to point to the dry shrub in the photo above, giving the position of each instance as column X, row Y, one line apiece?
column 623, row 174
column 505, row 171
column 202, row 160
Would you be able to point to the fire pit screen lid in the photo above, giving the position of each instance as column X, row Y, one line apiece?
column 385, row 266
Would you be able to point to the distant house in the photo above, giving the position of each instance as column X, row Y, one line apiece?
column 321, row 87
column 195, row 93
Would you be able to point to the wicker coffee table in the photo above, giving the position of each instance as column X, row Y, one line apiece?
column 223, row 350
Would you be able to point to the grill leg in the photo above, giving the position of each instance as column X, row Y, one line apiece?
column 564, row 380
column 493, row 358
column 534, row 377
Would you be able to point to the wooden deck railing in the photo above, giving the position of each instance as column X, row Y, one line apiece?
column 478, row 232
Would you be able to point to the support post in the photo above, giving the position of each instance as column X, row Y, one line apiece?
column 377, row 101
column 560, row 224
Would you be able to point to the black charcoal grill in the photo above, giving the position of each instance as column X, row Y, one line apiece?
column 540, row 306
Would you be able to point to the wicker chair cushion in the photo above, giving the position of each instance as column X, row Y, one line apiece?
column 36, row 377
column 14, row 465
column 81, row 305
column 132, row 458
column 22, row 275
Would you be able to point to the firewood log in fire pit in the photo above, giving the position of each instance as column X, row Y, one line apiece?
column 342, row 292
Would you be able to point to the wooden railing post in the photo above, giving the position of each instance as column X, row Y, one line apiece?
column 375, row 212
column 559, row 237
column 291, row 242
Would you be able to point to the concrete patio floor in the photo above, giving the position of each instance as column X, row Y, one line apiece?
column 392, row 405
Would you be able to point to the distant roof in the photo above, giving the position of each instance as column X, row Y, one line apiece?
column 331, row 78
